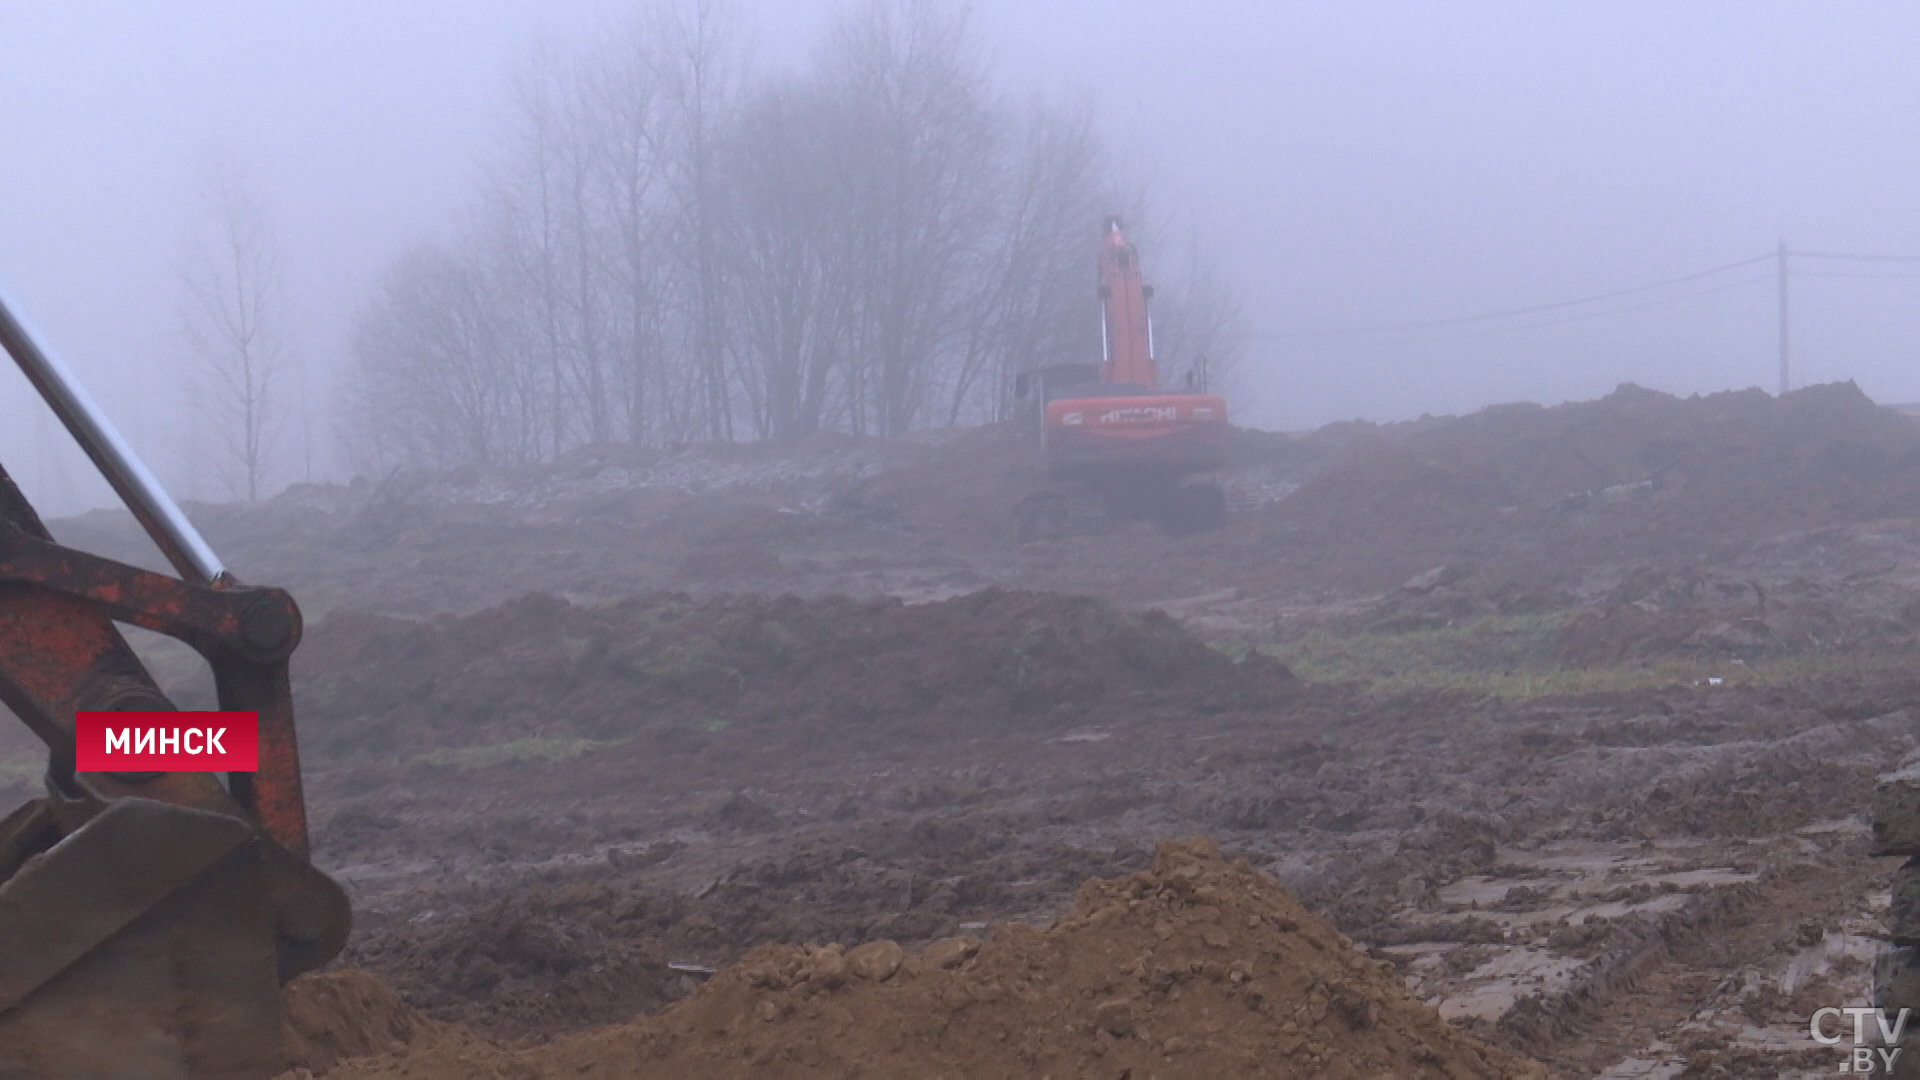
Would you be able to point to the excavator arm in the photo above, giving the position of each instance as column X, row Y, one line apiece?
column 1126, row 324
column 147, row 920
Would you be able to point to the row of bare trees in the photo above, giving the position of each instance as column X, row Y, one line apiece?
column 671, row 247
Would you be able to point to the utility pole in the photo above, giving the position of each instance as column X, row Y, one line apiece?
column 1784, row 351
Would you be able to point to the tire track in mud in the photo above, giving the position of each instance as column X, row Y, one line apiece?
column 1731, row 995
column 1630, row 1004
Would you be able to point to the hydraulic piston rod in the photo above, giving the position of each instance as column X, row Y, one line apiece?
column 156, row 511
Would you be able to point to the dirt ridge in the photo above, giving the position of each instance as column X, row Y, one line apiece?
column 1195, row 968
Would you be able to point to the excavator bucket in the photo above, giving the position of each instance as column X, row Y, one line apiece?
column 147, row 919
column 139, row 946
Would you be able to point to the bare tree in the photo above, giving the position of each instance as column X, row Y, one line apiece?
column 235, row 323
column 700, row 82
column 526, row 214
column 927, row 142
column 790, row 231
column 624, row 109
column 666, row 249
column 1034, row 306
column 441, row 377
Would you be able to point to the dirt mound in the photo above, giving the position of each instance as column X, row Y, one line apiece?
column 550, row 956
column 335, row 1015
column 1826, row 446
column 680, row 668
column 1637, row 474
column 1195, row 968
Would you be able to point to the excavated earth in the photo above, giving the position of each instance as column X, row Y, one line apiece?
column 1565, row 717
column 1194, row 968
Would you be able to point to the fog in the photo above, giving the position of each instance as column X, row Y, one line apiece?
column 1334, row 167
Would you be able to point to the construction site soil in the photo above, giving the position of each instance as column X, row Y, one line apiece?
column 797, row 761
column 1194, row 968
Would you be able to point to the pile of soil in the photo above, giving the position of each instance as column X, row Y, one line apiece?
column 1194, row 968
column 1637, row 474
column 347, row 1013
column 1823, row 453
column 677, row 667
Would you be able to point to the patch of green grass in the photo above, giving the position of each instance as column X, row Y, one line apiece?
column 1494, row 643
column 698, row 667
column 546, row 749
column 1511, row 658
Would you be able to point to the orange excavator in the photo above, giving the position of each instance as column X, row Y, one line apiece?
column 147, row 919
column 1112, row 429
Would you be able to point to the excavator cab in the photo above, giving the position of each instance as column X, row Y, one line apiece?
column 147, row 919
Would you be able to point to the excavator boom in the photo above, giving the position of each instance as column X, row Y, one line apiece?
column 1126, row 328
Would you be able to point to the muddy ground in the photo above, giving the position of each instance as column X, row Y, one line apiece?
column 1195, row 968
column 1569, row 714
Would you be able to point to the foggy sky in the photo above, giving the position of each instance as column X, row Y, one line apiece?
column 1344, row 164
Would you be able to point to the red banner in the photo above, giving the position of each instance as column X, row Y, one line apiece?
column 166, row 741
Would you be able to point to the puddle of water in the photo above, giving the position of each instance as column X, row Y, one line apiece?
column 1509, row 976
column 1837, row 825
column 1589, row 874
column 1636, row 1068
column 1821, row 959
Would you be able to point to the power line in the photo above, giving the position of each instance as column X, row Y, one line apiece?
column 1856, row 274
column 1430, row 324
column 1590, row 315
column 1781, row 273
column 1855, row 258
